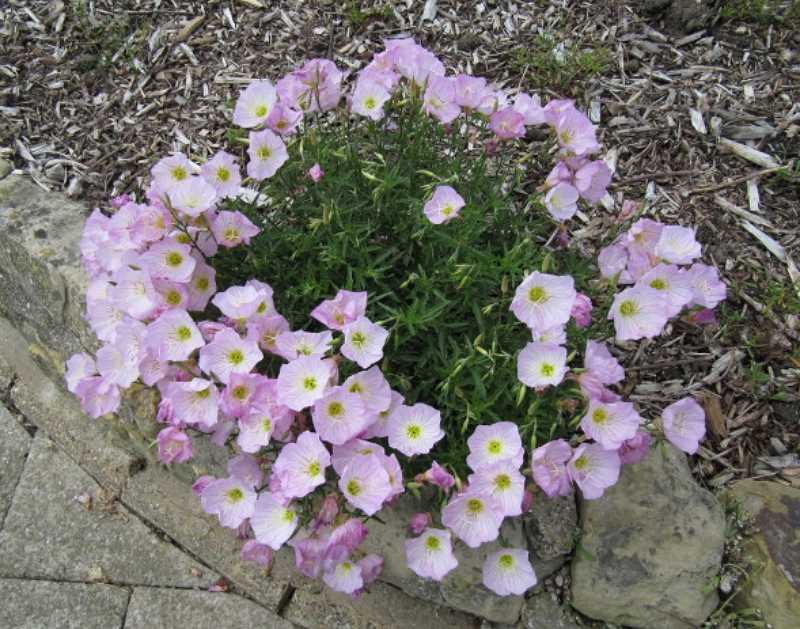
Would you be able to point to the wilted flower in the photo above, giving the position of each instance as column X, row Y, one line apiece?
column 174, row 445
column 636, row 448
column 582, row 310
column 707, row 288
column 345, row 308
column 315, row 173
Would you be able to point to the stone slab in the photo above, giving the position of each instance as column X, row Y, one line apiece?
column 158, row 607
column 14, row 444
column 166, row 501
column 50, row 534
column 542, row 611
column 51, row 605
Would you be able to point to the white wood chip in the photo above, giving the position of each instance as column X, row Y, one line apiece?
column 697, row 121
column 753, row 197
column 750, row 154
column 735, row 209
column 429, row 10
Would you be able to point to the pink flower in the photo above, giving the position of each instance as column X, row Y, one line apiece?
column 194, row 402
column 419, row 522
column 364, row 341
column 254, row 104
column 303, row 381
column 704, row 316
column 200, row 484
column 470, row 91
column 169, row 260
column 612, row 260
column 257, row 553
column 118, row 363
column 345, row 308
column 231, row 499
column 541, row 365
column 507, row 124
column 575, row 132
column 509, row 571
column 643, row 236
column 371, row 567
column 444, row 205
column 222, row 172
column 291, row 345
column 300, row 466
column 267, row 154
column 582, row 310
column 97, row 396
column 594, row 469
column 320, row 89
column 493, row 443
column 707, row 288
column 193, row 196
column 284, row 120
column 227, row 354
column 243, row 391
column 172, row 170
column 543, row 301
column 549, row 465
column 365, row 484
column 636, row 448
column 415, row 429
column 173, row 336
column 592, row 180
column 273, row 522
column 474, row 518
column 561, row 201
column 503, row 482
column 266, row 330
column 413, row 61
column 345, row 577
column 174, row 446
column 684, row 424
column 345, row 453
column 439, row 99
column 372, row 387
column 339, row 416
column 531, row 109
column 438, row 476
column 134, row 293
column 639, row 313
column 315, row 173
column 610, row 423
column 369, row 98
column 430, row 555
column 672, row 282
column 79, row 367
column 238, row 302
column 677, row 245
column 201, row 286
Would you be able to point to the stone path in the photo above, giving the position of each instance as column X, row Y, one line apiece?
column 72, row 556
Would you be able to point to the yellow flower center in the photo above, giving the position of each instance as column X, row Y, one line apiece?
column 627, row 308
column 310, row 383
column 548, row 370
column 261, row 111
column 173, row 298
column 495, row 446
column 262, row 308
column 356, row 388
column 353, row 487
column 184, row 239
column 174, row 259
column 506, row 561
column 179, row 173
column 658, row 284
column 581, row 462
column 502, row 482
column 236, row 357
column 600, row 416
column 288, row 515
column 447, row 210
column 314, row 468
column 359, row 339
column 202, row 284
column 263, row 152
column 240, row 392
column 223, row 174
column 203, row 393
column 235, row 495
column 335, row 409
column 370, row 103
column 231, row 233
column 433, row 543
column 183, row 333
column 414, row 431
column 537, row 295
column 474, row 507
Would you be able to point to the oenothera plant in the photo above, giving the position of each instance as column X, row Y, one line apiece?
column 376, row 307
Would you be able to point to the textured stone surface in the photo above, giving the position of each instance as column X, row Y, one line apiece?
column 5, row 168
column 49, row 605
column 773, row 552
column 542, row 611
column 14, row 444
column 653, row 546
column 49, row 534
column 153, row 607
column 683, row 15
column 551, row 528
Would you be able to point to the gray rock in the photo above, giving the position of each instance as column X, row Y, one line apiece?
column 50, row 534
column 154, row 607
column 683, row 15
column 551, row 527
column 50, row 605
column 542, row 611
column 14, row 444
column 773, row 552
column 652, row 547
column 5, row 168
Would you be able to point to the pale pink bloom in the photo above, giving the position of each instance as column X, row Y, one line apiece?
column 174, row 446
column 209, row 329
column 222, row 172
column 101, row 312
column 254, row 104
column 202, row 286
column 643, row 236
column 152, row 370
column 257, row 553
column 493, row 100
column 677, row 245
column 292, row 92
column 582, row 310
column 684, row 424
column 474, row 518
column 575, row 132
column 79, row 366
column 152, row 223
column 672, row 282
column 559, row 174
column 339, row 416
column 244, row 390
column 134, row 293
column 430, row 555
column 301, row 465
column 117, row 365
column 635, row 449
column 194, row 402
column 345, row 308
column 592, row 180
column 368, row 99
column 173, row 336
column 556, row 335
column 373, row 74
column 345, row 577
column 327, row 512
column 531, row 109
column 418, row 522
column 365, row 484
column 200, row 484
column 345, row 453
column 438, row 476
column 599, row 362
column 231, row 229
column 543, row 301
column 380, row 421
column 470, row 91
column 707, row 288
column 549, row 466
column 489, row 444
column 639, row 313
column 439, row 99
column 97, row 396
column 392, row 467
column 415, row 429
column 541, row 365
column 231, row 499
column 594, row 469
column 227, row 354
column 504, row 482
column 371, row 567
column 173, row 295
column 610, row 423
column 267, row 154
column 372, row 387
column 169, row 260
column 265, row 331
column 612, row 260
column 507, row 124
column 172, row 170
column 508, row 571
column 323, row 85
column 561, row 201
column 292, row 345
column 284, row 120
column 303, row 381
column 238, row 302
column 363, row 341
column 413, row 61
column 222, row 430
column 273, row 522
column 444, row 205
column 257, row 426
column 315, row 173
column 193, row 196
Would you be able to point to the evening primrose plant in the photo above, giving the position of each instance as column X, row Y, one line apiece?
column 365, row 298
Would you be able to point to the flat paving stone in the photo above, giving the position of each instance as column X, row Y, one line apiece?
column 52, row 605
column 14, row 444
column 154, row 607
column 50, row 534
